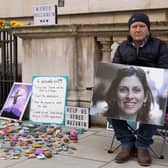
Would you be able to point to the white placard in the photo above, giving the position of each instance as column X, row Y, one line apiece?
column 45, row 14
column 77, row 117
column 48, row 99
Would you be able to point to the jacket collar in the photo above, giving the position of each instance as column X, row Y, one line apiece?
column 148, row 38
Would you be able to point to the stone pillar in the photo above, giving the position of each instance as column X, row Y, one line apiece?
column 106, row 43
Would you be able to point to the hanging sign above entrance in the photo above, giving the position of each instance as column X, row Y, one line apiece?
column 45, row 14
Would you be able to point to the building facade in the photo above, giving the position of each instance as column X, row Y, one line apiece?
column 86, row 32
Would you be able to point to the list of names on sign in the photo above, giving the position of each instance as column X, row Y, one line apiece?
column 48, row 99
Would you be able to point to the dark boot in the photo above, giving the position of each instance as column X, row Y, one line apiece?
column 124, row 155
column 144, row 158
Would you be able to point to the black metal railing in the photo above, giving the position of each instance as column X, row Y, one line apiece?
column 8, row 63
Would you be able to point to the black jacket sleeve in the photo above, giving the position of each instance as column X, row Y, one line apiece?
column 162, row 61
column 117, row 57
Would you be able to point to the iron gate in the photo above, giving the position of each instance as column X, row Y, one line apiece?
column 8, row 63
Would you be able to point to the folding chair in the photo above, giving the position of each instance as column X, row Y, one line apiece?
column 162, row 131
column 132, row 125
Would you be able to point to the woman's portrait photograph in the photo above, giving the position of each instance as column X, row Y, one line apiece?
column 130, row 93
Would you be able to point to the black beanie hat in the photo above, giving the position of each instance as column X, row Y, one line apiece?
column 139, row 17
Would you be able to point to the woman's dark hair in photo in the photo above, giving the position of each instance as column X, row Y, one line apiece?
column 111, row 97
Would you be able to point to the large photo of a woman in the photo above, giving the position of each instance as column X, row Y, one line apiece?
column 131, row 92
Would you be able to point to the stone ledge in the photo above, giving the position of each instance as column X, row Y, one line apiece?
column 51, row 31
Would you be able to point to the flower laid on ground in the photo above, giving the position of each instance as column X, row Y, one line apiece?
column 8, row 24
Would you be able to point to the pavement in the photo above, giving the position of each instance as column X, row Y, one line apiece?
column 91, row 152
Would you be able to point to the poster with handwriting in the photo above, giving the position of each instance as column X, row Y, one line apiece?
column 48, row 99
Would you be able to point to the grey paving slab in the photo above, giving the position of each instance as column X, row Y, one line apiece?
column 157, row 147
column 59, row 161
column 91, row 153
column 159, row 163
column 132, row 163
column 94, row 147
column 105, row 132
column 86, row 134
column 8, row 163
column 96, row 129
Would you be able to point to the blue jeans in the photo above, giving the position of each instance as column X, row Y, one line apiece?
column 142, row 139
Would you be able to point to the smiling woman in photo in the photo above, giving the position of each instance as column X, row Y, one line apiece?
column 129, row 96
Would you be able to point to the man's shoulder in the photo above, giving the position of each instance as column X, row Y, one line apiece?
column 157, row 40
column 124, row 43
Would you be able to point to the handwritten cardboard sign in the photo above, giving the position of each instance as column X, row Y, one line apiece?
column 45, row 14
column 48, row 99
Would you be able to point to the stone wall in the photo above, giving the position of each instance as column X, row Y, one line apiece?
column 25, row 8
column 73, row 50
column 83, row 36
